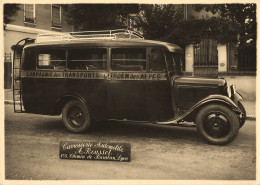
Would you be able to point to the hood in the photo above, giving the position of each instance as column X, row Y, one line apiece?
column 201, row 81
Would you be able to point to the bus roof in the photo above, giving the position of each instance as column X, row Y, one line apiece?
column 110, row 43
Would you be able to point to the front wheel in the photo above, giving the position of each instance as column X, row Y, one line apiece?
column 217, row 124
column 76, row 116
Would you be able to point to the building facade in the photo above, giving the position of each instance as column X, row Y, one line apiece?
column 31, row 20
column 210, row 58
column 207, row 58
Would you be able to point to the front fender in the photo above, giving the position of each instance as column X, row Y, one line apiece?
column 215, row 98
column 221, row 99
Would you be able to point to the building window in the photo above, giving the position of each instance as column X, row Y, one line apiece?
column 131, row 22
column 29, row 13
column 56, row 16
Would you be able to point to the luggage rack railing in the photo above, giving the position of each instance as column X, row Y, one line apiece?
column 90, row 35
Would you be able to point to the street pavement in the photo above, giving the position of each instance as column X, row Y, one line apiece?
column 158, row 152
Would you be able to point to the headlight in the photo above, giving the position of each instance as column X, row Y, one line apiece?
column 229, row 92
column 233, row 89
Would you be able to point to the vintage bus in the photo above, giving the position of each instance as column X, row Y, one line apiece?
column 90, row 77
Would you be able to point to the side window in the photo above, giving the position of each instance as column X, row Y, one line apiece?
column 157, row 60
column 51, row 59
column 87, row 59
column 128, row 59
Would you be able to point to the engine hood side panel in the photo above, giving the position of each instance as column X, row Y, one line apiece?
column 188, row 91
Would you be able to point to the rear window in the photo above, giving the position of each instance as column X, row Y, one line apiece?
column 28, row 59
column 87, row 59
column 128, row 59
column 51, row 59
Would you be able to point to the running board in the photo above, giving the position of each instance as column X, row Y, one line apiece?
column 171, row 123
column 180, row 124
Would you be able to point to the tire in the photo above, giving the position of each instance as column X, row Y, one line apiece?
column 217, row 124
column 76, row 116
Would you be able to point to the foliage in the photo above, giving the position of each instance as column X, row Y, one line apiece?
column 9, row 11
column 155, row 21
column 190, row 31
column 167, row 23
column 244, row 15
column 234, row 23
column 98, row 16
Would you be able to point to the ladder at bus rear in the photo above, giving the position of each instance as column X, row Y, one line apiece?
column 17, row 80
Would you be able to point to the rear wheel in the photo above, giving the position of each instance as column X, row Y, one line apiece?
column 217, row 124
column 76, row 116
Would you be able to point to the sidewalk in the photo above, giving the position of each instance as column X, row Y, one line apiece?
column 9, row 94
column 246, row 86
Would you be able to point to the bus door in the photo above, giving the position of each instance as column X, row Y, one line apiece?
column 127, row 84
column 159, row 86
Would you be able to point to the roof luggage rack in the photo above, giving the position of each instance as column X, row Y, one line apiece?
column 90, row 35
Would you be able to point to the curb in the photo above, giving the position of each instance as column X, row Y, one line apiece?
column 10, row 102
column 248, row 117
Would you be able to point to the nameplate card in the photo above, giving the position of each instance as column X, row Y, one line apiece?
column 95, row 151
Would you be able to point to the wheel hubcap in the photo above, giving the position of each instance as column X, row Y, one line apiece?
column 216, row 125
column 76, row 116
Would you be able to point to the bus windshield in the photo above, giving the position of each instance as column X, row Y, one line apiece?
column 175, row 63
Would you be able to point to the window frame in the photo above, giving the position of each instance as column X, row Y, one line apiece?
column 60, row 12
column 146, row 59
